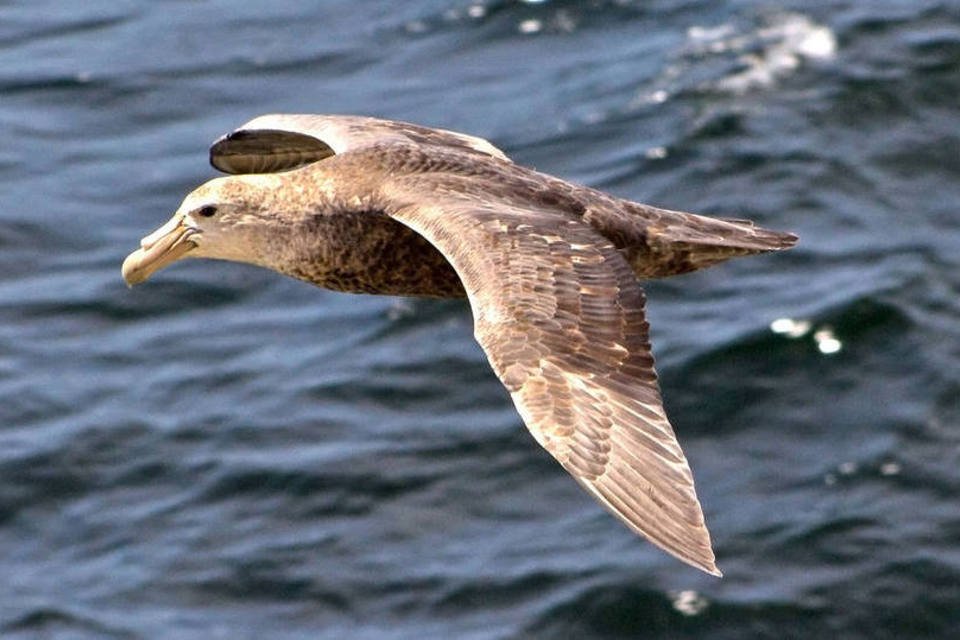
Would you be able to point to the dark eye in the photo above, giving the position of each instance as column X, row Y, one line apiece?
column 207, row 212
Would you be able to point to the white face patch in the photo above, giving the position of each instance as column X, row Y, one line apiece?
column 230, row 233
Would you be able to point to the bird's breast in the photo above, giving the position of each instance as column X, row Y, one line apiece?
column 369, row 252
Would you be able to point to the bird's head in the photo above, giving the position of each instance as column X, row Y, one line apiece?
column 223, row 219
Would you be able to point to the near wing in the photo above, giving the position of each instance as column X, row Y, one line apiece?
column 560, row 315
column 279, row 142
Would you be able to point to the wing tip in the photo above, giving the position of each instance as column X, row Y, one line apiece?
column 704, row 560
column 256, row 149
column 707, row 567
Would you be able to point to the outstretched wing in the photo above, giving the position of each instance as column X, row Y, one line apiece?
column 279, row 142
column 560, row 315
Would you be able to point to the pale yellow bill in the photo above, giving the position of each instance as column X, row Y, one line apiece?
column 167, row 244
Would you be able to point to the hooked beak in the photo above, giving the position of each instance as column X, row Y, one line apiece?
column 164, row 246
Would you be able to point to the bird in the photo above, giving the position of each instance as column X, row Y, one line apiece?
column 552, row 271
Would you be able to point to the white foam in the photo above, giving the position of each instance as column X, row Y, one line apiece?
column 769, row 53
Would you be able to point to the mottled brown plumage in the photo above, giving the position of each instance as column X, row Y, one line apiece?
column 550, row 268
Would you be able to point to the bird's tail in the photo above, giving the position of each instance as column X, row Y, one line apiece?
column 682, row 242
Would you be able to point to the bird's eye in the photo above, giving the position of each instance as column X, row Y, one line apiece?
column 207, row 212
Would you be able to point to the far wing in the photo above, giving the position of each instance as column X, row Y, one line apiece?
column 279, row 142
column 560, row 315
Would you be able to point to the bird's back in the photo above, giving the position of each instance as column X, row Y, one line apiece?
column 656, row 242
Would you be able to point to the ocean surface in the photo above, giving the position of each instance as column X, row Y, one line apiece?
column 227, row 453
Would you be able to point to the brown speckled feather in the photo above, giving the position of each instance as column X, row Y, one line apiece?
column 551, row 270
column 560, row 315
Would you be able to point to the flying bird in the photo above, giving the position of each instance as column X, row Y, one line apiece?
column 552, row 271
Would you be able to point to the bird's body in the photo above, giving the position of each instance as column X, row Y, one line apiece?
column 551, row 270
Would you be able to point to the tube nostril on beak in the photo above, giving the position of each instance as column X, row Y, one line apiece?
column 164, row 246
column 162, row 232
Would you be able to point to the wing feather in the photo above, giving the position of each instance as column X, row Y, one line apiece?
column 560, row 315
column 279, row 142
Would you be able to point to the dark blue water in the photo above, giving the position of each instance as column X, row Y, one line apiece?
column 227, row 453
